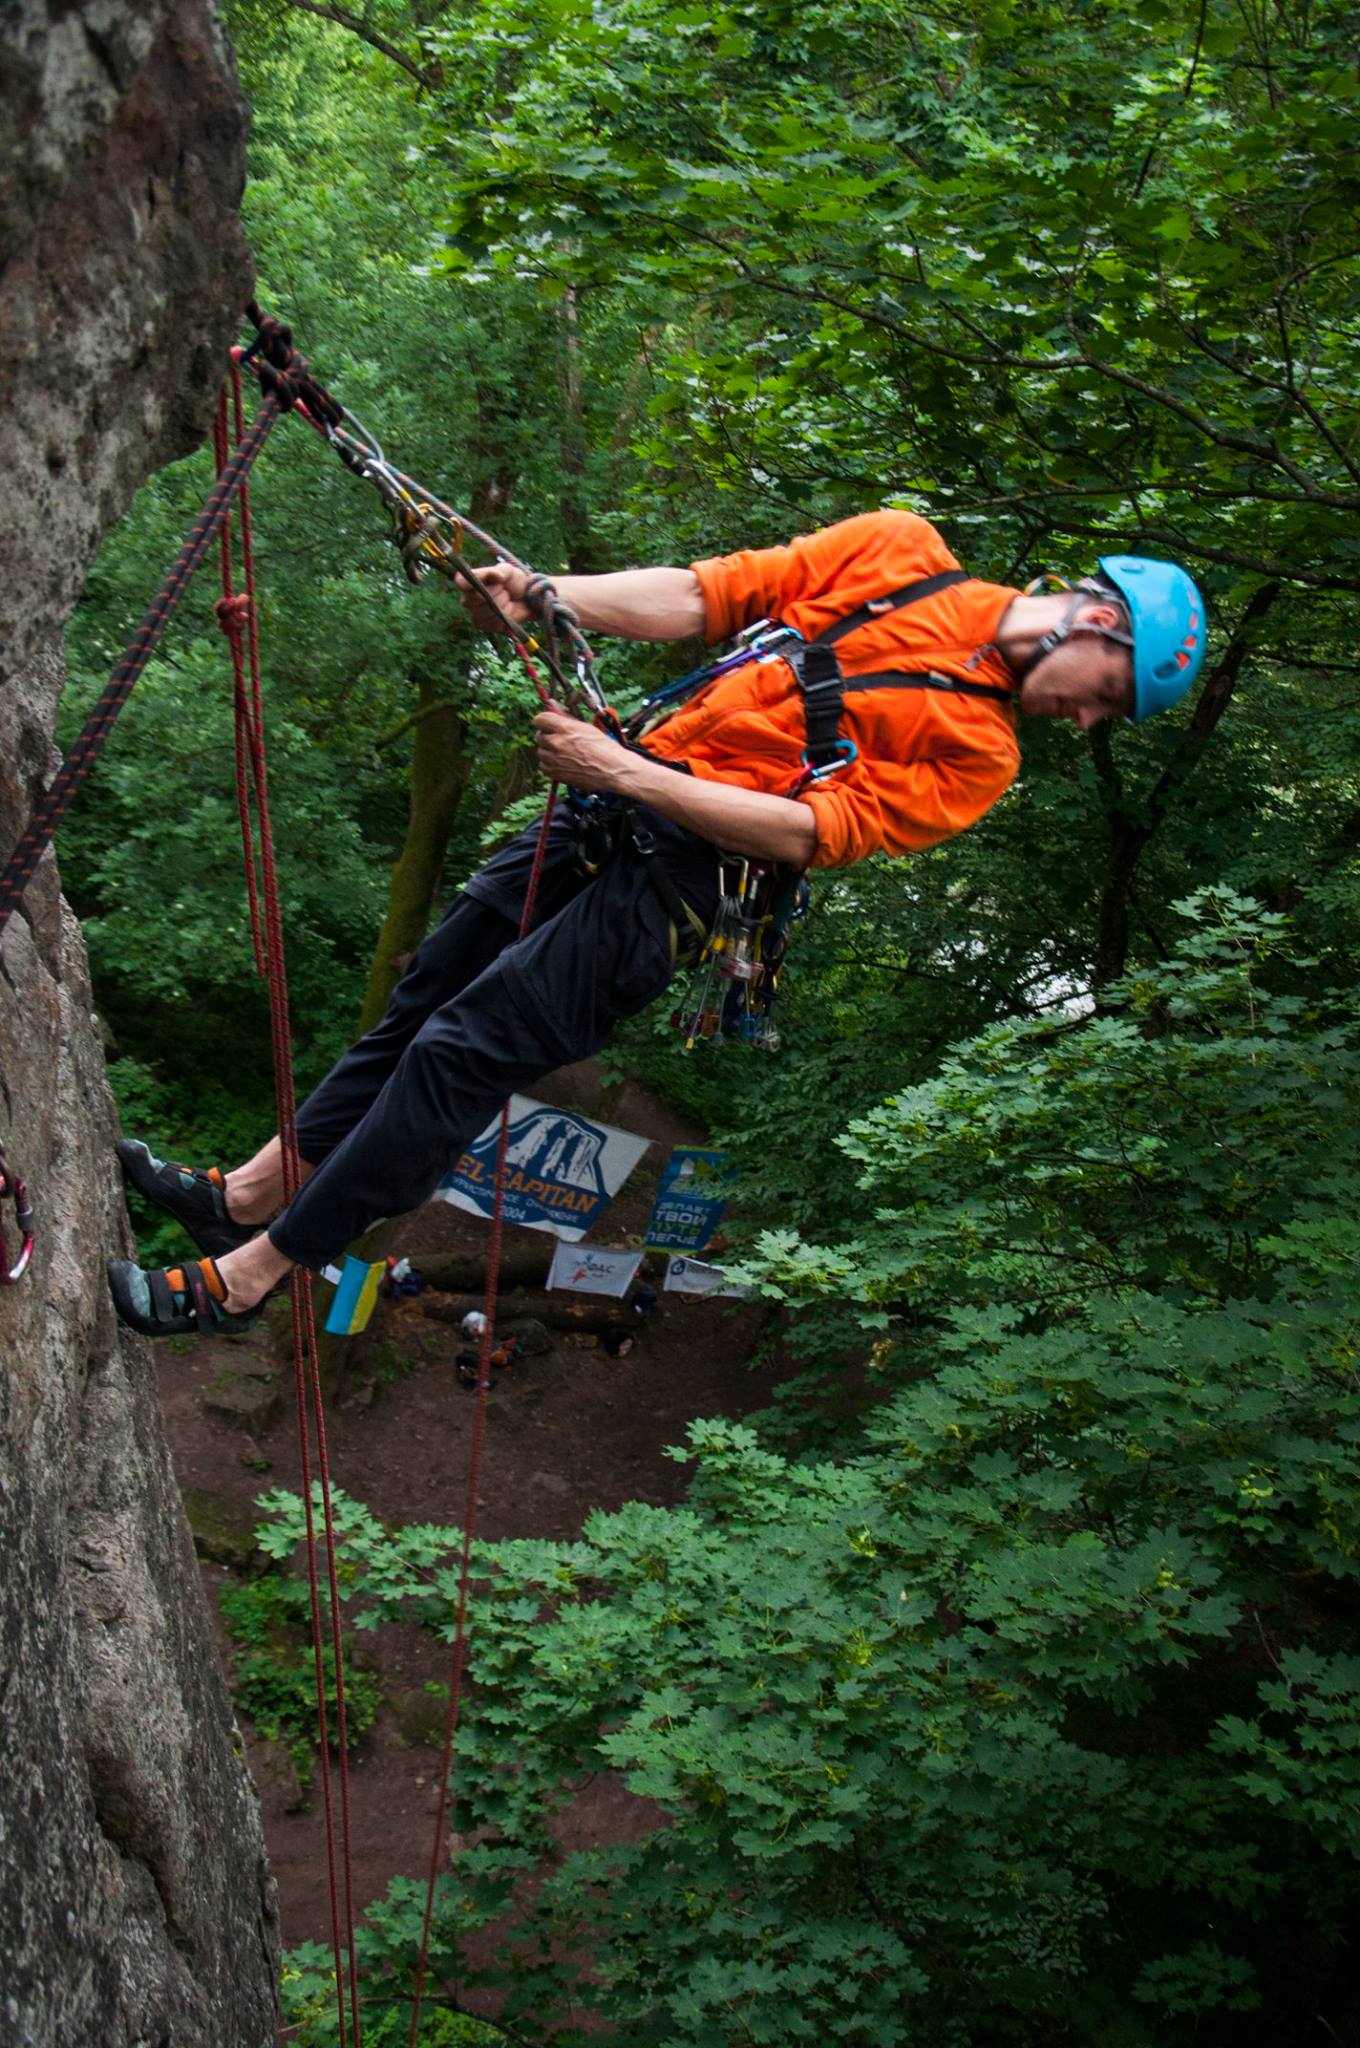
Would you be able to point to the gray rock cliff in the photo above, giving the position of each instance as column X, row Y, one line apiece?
column 135, row 1901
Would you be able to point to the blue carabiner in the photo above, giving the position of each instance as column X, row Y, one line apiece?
column 848, row 752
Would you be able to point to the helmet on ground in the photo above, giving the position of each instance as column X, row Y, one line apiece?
column 1167, row 615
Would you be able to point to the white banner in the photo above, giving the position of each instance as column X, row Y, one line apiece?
column 589, row 1269
column 692, row 1276
column 562, row 1170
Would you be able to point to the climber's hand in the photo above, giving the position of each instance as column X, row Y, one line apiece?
column 571, row 751
column 506, row 584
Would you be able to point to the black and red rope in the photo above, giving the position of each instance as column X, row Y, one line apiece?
column 53, row 804
column 267, row 935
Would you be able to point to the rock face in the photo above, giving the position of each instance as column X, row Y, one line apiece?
column 135, row 1902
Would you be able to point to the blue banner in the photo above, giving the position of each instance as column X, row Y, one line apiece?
column 690, row 1200
column 561, row 1169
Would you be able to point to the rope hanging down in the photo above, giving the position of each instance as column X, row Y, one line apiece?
column 52, row 806
column 458, row 1653
column 252, row 786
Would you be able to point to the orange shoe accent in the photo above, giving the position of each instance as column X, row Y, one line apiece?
column 212, row 1279
column 215, row 1176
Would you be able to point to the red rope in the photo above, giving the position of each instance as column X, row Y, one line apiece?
column 230, row 610
column 267, row 932
column 458, row 1657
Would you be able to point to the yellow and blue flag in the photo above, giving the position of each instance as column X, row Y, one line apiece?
column 355, row 1294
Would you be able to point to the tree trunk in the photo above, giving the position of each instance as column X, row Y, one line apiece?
column 1133, row 825
column 582, row 554
column 439, row 773
column 587, row 1317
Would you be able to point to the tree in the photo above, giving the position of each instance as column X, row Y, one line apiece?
column 1036, row 270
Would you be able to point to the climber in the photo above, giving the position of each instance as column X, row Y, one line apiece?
column 900, row 738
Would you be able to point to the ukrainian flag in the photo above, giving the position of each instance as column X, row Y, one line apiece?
column 355, row 1294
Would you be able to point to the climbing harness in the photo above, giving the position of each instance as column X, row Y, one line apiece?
column 13, row 1189
column 734, row 983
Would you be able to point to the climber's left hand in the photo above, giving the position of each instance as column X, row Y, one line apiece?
column 571, row 751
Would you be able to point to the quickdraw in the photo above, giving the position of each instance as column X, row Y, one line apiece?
column 431, row 535
column 14, row 1189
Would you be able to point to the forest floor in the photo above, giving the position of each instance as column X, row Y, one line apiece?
column 566, row 1433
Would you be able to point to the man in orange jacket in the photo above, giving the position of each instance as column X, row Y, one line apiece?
column 883, row 723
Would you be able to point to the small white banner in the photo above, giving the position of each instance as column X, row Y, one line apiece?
column 587, row 1269
column 691, row 1276
column 562, row 1170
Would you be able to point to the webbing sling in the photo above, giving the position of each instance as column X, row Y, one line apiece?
column 823, row 684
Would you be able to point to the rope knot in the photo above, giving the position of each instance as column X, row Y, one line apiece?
column 283, row 382
column 540, row 594
column 232, row 612
column 285, row 375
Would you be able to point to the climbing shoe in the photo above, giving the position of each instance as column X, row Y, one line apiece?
column 169, row 1301
column 195, row 1197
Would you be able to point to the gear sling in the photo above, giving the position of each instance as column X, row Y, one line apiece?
column 758, row 903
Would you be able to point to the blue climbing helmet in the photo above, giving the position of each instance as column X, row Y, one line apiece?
column 1166, row 613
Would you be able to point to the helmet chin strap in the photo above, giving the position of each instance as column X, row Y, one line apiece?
column 1069, row 624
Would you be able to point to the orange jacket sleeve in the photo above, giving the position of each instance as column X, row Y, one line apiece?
column 857, row 557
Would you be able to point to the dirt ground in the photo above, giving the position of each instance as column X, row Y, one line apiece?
column 566, row 1433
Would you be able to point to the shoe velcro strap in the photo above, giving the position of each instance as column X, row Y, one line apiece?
column 163, row 1301
column 200, row 1294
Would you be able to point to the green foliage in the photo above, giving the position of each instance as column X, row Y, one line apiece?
column 1040, row 261
column 307, row 1986
column 1000, row 1686
column 1027, row 1708
column 274, row 1676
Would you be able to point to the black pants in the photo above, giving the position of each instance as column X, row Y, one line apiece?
column 479, row 1014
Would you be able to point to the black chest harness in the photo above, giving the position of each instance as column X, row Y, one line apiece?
column 817, row 669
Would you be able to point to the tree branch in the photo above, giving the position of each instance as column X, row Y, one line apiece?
column 417, row 718
column 428, row 81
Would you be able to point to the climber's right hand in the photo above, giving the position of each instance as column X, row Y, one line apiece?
column 506, row 585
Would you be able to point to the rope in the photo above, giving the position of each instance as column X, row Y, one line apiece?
column 267, row 935
column 52, row 805
column 458, row 1655
column 231, row 611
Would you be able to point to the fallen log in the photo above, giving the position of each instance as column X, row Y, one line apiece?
column 589, row 1316
column 465, row 1272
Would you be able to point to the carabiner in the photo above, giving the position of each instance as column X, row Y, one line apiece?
column 846, row 749
column 11, row 1185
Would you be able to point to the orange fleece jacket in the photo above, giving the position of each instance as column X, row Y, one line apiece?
column 928, row 764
